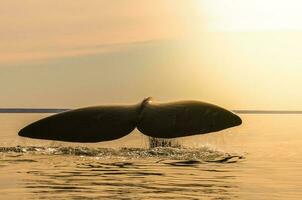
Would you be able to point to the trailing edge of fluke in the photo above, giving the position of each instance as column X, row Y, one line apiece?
column 105, row 123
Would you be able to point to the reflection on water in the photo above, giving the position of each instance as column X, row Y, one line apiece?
column 58, row 177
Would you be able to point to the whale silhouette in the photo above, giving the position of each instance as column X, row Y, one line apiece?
column 160, row 120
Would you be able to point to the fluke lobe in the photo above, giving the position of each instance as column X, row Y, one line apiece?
column 161, row 120
column 183, row 118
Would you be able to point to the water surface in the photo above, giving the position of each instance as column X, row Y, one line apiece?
column 266, row 164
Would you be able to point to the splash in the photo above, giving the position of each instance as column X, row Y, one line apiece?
column 160, row 142
column 202, row 154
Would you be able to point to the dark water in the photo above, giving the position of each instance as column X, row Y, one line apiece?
column 260, row 160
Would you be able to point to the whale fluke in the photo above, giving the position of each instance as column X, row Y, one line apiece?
column 92, row 124
column 105, row 123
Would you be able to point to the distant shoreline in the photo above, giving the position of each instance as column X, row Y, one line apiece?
column 58, row 110
column 268, row 111
column 32, row 110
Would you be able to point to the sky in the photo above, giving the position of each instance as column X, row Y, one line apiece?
column 240, row 54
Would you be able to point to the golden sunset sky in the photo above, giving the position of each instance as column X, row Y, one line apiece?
column 241, row 54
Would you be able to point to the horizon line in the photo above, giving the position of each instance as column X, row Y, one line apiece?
column 58, row 110
column 243, row 111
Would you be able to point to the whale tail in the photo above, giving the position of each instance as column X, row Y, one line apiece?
column 105, row 123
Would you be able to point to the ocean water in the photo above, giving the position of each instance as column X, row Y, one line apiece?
column 262, row 159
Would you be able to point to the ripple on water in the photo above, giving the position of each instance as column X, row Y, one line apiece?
column 126, row 173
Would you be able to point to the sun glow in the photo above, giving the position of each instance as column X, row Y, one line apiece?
column 249, row 15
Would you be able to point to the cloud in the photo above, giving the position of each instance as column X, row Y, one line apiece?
column 50, row 29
